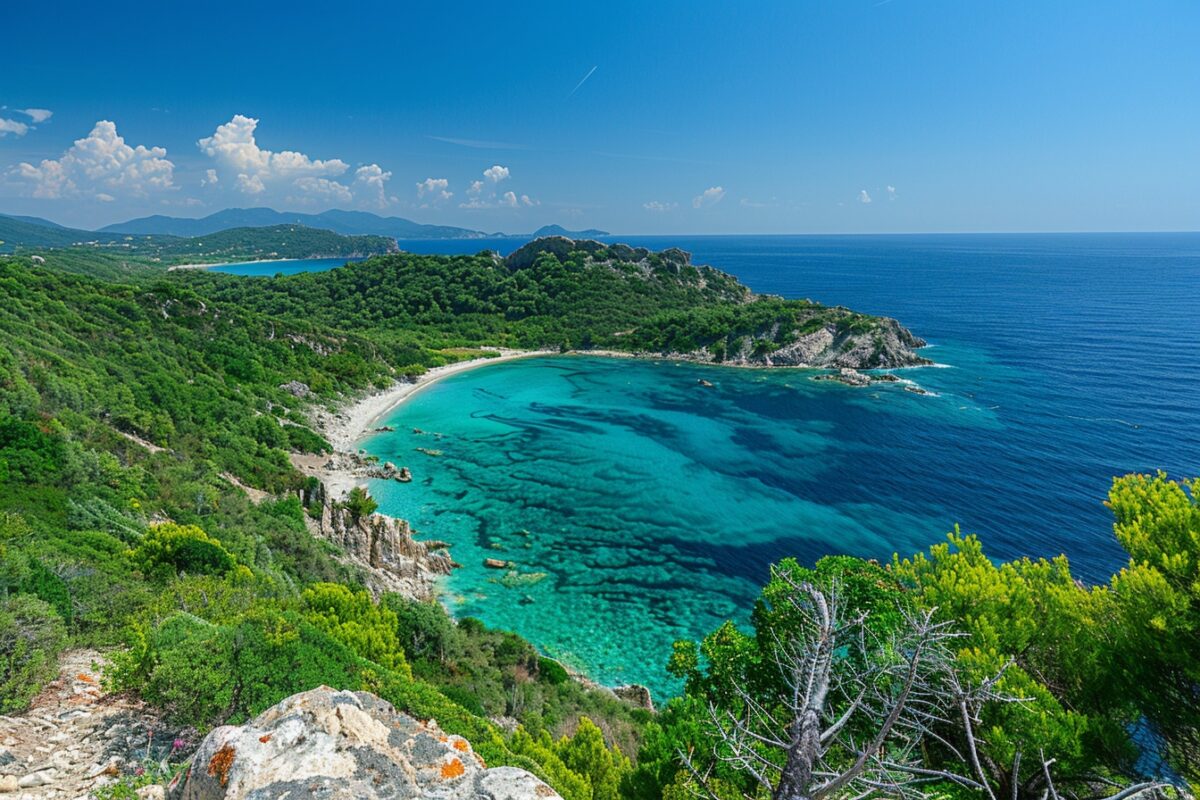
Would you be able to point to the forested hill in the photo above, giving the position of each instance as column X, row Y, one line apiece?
column 578, row 295
column 278, row 241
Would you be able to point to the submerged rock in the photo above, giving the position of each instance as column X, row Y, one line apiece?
column 344, row 746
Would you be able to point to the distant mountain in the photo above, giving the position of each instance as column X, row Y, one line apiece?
column 272, row 241
column 34, row 232
column 559, row 230
column 336, row 220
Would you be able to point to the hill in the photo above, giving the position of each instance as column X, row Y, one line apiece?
column 559, row 230
column 344, row 222
column 558, row 292
column 278, row 241
column 33, row 232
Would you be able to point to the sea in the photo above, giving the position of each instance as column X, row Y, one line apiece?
column 637, row 506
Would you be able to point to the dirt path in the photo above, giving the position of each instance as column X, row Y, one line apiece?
column 75, row 738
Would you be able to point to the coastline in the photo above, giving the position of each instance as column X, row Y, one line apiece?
column 174, row 267
column 351, row 423
column 354, row 422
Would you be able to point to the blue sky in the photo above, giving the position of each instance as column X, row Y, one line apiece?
column 695, row 117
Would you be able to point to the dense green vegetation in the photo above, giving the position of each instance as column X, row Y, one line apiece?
column 583, row 296
column 130, row 399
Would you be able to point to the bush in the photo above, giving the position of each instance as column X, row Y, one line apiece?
column 31, row 636
column 354, row 620
column 169, row 549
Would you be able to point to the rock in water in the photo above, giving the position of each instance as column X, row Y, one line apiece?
column 344, row 746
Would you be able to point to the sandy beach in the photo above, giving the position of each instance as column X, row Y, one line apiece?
column 345, row 429
column 225, row 263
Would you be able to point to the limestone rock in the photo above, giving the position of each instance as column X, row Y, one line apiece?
column 342, row 745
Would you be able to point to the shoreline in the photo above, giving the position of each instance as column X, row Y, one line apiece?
column 347, row 427
column 174, row 267
column 352, row 423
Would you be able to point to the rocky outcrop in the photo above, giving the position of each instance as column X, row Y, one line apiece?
column 382, row 547
column 344, row 746
column 852, row 377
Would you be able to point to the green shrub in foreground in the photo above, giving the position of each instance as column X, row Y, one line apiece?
column 31, row 636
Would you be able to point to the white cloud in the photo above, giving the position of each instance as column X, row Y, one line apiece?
column 8, row 126
column 38, row 115
column 746, row 202
column 891, row 190
column 659, row 207
column 324, row 189
column 210, row 178
column 527, row 201
column 709, row 197
column 235, row 149
column 496, row 173
column 436, row 188
column 509, row 199
column 105, row 198
column 371, row 182
column 863, row 197
column 250, row 184
column 101, row 164
column 475, row 189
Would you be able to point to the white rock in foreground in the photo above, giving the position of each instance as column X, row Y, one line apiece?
column 338, row 745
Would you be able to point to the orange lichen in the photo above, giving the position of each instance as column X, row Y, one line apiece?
column 85, row 678
column 452, row 769
column 265, row 738
column 221, row 762
column 461, row 745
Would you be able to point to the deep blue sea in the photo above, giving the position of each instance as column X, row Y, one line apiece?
column 638, row 507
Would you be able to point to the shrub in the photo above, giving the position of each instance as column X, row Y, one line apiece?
column 168, row 549
column 31, row 636
column 356, row 621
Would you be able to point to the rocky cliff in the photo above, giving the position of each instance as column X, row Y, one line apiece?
column 382, row 547
column 707, row 315
column 344, row 746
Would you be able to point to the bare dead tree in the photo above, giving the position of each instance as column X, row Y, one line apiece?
column 856, row 709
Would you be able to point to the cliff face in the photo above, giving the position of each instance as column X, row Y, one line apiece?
column 707, row 315
column 887, row 344
column 383, row 548
column 345, row 746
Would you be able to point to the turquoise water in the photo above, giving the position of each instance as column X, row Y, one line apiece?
column 654, row 505
column 265, row 269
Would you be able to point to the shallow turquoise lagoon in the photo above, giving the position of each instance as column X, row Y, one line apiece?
column 638, row 506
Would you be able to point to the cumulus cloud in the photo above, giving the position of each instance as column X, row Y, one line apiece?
column 436, row 189
column 659, row 207
column 891, row 190
column 38, row 115
column 479, row 196
column 234, row 147
column 863, row 197
column 324, row 189
column 210, row 178
column 709, row 197
column 370, row 182
column 101, row 165
column 250, row 184
column 12, row 126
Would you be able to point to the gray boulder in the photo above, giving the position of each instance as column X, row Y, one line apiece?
column 338, row 745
